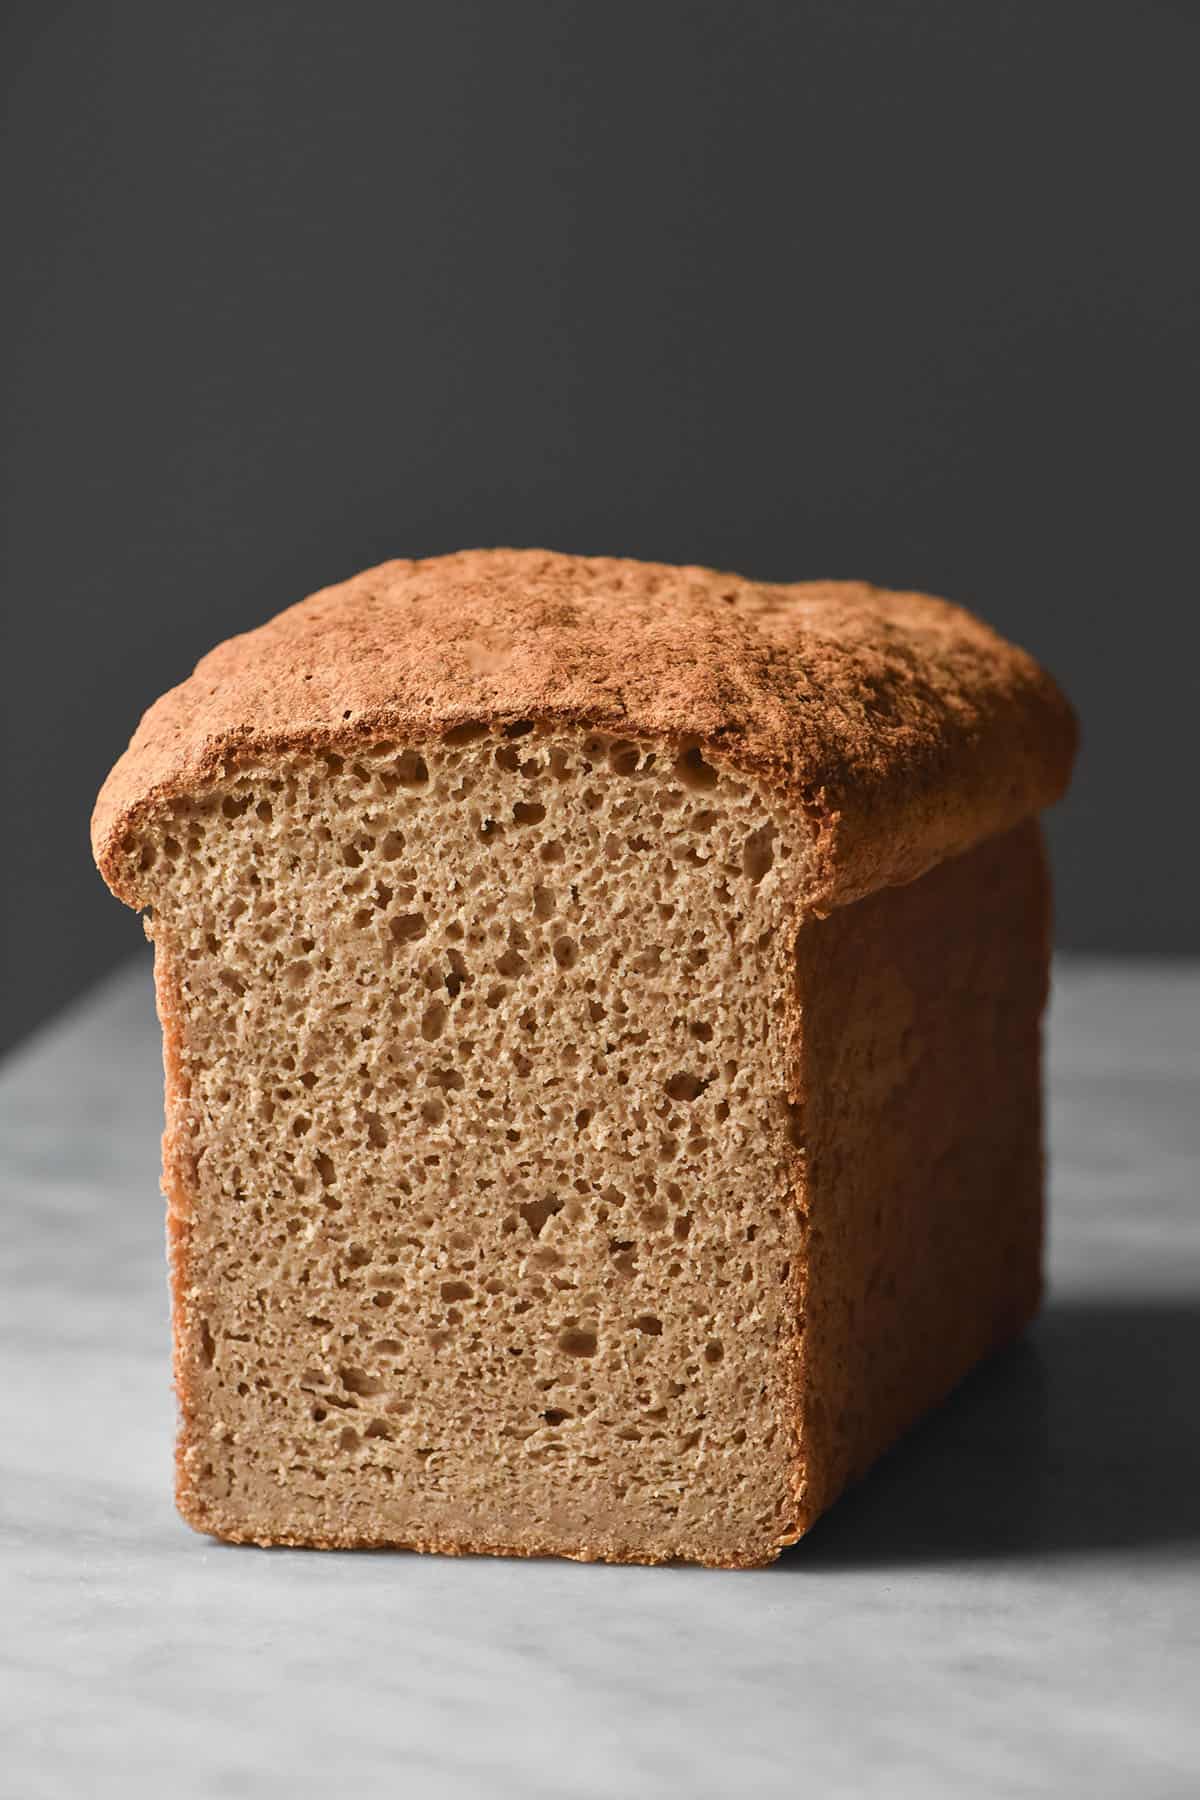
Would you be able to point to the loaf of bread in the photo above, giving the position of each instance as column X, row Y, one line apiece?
column 601, row 1009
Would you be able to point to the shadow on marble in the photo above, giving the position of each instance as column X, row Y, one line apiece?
column 1080, row 1438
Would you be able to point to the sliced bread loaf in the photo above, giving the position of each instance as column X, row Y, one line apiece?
column 601, row 1014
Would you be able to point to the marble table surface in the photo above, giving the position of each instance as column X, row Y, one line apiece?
column 1009, row 1605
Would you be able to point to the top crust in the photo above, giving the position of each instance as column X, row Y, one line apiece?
column 904, row 728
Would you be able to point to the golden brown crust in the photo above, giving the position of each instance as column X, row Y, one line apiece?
column 918, row 1102
column 905, row 728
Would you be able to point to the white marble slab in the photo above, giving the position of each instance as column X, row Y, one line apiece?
column 1009, row 1606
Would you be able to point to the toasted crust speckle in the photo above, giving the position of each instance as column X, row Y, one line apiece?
column 906, row 729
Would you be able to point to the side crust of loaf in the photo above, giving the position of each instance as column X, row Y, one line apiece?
column 920, row 1101
column 902, row 727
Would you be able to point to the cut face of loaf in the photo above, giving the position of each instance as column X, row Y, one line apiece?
column 479, row 1154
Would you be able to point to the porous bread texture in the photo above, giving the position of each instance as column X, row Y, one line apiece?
column 479, row 1156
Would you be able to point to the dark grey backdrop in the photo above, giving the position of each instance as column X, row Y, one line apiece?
column 905, row 291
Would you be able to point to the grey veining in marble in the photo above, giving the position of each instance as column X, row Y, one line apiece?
column 1010, row 1605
